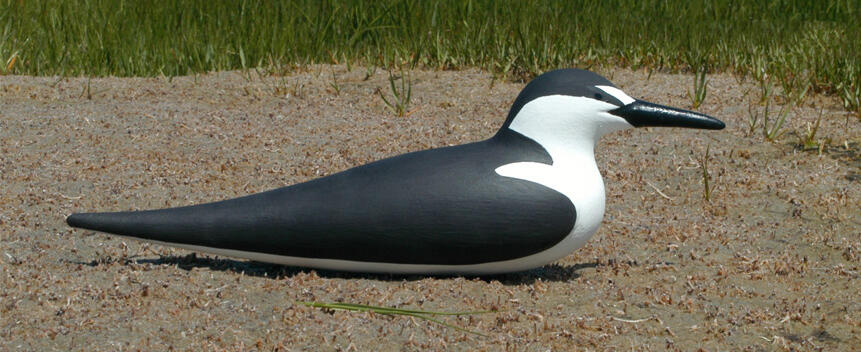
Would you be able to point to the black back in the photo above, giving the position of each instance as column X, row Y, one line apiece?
column 439, row 206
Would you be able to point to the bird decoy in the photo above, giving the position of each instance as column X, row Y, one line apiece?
column 527, row 196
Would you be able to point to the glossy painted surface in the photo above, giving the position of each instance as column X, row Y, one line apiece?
column 441, row 206
column 524, row 198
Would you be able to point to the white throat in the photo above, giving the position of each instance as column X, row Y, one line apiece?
column 567, row 128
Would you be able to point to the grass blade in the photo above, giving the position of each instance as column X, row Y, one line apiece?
column 421, row 314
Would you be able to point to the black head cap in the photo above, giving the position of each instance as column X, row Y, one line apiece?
column 568, row 81
column 582, row 83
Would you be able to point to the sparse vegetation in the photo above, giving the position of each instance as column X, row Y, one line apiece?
column 851, row 96
column 401, row 93
column 335, row 85
column 771, row 125
column 752, row 119
column 765, row 89
column 420, row 314
column 700, row 88
column 808, row 139
column 704, row 168
column 795, row 42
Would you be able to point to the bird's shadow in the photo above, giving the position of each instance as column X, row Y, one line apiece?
column 552, row 272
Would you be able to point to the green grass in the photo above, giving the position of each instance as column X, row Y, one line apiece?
column 795, row 43
column 420, row 314
column 401, row 93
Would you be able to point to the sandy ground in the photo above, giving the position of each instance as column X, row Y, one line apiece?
column 771, row 262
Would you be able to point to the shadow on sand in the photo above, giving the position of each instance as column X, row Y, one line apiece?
column 552, row 272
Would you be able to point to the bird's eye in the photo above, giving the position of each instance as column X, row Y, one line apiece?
column 599, row 96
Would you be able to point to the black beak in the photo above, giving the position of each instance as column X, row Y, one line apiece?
column 644, row 114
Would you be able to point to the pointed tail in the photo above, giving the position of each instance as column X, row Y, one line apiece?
column 245, row 223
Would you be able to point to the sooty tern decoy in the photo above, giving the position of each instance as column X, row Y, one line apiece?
column 528, row 196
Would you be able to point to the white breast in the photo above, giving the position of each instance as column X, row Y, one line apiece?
column 581, row 182
column 567, row 128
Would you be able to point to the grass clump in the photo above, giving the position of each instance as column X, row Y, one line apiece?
column 807, row 140
column 700, row 89
column 796, row 42
column 771, row 125
column 401, row 93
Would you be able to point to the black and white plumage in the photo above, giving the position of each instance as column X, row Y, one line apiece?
column 529, row 195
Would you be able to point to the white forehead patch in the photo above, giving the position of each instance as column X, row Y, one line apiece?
column 617, row 93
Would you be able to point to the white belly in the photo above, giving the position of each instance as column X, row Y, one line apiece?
column 584, row 188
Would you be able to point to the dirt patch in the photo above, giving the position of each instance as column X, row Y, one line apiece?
column 772, row 261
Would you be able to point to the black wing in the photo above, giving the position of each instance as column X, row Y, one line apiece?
column 439, row 206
